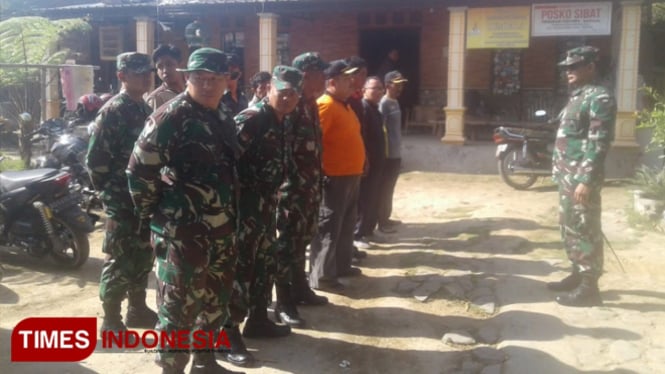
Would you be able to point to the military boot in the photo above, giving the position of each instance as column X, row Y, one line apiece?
column 285, row 308
column 204, row 363
column 112, row 317
column 259, row 326
column 302, row 293
column 585, row 295
column 568, row 283
column 138, row 314
column 237, row 354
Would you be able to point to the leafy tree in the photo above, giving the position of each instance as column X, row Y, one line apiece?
column 30, row 40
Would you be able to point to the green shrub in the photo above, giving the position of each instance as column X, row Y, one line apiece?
column 651, row 181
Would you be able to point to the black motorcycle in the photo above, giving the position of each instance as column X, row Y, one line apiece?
column 525, row 153
column 67, row 146
column 40, row 215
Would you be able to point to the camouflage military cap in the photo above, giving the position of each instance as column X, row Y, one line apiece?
column 207, row 59
column 309, row 61
column 585, row 54
column 285, row 77
column 134, row 62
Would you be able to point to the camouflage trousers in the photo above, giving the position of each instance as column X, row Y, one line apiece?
column 580, row 225
column 194, row 282
column 257, row 262
column 297, row 222
column 129, row 258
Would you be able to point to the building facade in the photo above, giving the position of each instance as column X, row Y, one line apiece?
column 500, row 80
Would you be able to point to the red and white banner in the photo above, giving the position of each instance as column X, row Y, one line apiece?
column 577, row 19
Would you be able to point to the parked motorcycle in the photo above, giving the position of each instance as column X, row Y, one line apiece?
column 67, row 147
column 525, row 153
column 40, row 215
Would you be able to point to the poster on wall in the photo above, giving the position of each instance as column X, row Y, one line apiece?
column 506, row 72
column 571, row 19
column 503, row 27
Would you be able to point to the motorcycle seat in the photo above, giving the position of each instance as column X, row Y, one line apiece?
column 11, row 180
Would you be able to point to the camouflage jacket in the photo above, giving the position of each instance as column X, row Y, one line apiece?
column 182, row 170
column 303, row 175
column 235, row 106
column 264, row 147
column 116, row 129
column 585, row 131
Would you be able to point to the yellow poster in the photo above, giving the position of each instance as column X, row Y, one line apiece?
column 505, row 27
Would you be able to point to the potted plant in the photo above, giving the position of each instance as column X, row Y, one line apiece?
column 650, row 197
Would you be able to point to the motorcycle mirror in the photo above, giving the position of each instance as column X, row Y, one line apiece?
column 540, row 113
column 25, row 117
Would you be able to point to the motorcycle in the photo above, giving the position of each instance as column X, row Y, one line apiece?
column 67, row 148
column 40, row 215
column 525, row 153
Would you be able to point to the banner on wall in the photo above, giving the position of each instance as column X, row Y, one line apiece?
column 571, row 19
column 504, row 27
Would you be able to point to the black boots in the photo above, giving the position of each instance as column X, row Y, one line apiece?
column 112, row 318
column 238, row 353
column 302, row 293
column 138, row 314
column 285, row 307
column 585, row 295
column 568, row 283
column 259, row 326
column 204, row 363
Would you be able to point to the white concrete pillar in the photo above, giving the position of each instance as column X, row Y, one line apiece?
column 145, row 35
column 626, row 73
column 455, row 97
column 267, row 41
column 145, row 38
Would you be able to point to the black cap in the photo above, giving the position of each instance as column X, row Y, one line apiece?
column 357, row 62
column 394, row 77
column 339, row 67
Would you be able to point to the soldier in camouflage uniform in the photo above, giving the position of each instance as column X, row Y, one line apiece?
column 585, row 131
column 300, row 196
column 182, row 180
column 263, row 136
column 129, row 257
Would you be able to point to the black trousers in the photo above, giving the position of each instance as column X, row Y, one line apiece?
column 388, row 182
column 368, row 200
column 331, row 249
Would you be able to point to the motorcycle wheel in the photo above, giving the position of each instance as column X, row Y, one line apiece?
column 507, row 161
column 77, row 248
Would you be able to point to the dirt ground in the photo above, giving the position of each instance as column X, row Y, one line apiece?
column 472, row 257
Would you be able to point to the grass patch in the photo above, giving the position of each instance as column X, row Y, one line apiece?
column 10, row 164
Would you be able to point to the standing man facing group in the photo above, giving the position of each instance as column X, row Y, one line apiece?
column 585, row 131
column 129, row 256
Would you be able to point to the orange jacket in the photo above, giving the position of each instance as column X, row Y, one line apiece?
column 343, row 148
